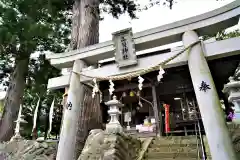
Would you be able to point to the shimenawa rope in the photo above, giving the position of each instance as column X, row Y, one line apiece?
column 138, row 72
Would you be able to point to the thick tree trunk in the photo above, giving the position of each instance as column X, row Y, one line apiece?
column 85, row 23
column 75, row 24
column 13, row 99
column 90, row 117
column 86, row 32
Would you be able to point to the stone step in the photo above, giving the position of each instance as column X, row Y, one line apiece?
column 176, row 137
column 172, row 155
column 173, row 148
column 153, row 144
column 175, row 141
column 183, row 152
column 172, row 159
column 176, row 158
column 179, row 145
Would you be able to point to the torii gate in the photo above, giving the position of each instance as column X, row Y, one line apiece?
column 188, row 31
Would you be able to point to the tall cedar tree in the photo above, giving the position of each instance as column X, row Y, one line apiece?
column 27, row 26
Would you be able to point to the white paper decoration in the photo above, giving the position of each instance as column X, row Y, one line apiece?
column 111, row 87
column 160, row 74
column 140, row 82
column 95, row 88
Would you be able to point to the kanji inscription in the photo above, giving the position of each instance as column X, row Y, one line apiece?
column 69, row 105
column 204, row 87
column 125, row 54
column 124, row 48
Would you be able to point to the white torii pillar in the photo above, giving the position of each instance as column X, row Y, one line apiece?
column 218, row 136
column 66, row 146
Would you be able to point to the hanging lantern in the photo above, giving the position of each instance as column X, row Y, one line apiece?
column 124, row 94
column 131, row 94
column 160, row 74
column 133, row 112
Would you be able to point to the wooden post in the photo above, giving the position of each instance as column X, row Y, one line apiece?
column 155, row 110
column 217, row 134
column 66, row 146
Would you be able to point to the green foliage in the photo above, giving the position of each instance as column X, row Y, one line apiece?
column 31, row 25
column 39, row 72
column 224, row 35
column 1, row 106
column 26, row 27
column 118, row 7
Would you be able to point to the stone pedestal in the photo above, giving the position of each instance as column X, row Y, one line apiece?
column 17, row 137
column 114, row 126
column 103, row 146
column 218, row 137
column 232, row 89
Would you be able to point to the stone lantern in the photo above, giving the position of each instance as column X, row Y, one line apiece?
column 114, row 126
column 19, row 120
column 232, row 89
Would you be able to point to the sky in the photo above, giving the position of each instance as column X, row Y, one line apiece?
column 157, row 16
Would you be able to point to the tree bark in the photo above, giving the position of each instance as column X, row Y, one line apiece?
column 85, row 32
column 155, row 110
column 90, row 117
column 88, row 32
column 75, row 24
column 13, row 99
column 85, row 23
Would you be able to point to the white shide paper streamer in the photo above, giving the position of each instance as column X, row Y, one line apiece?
column 35, row 116
column 51, row 117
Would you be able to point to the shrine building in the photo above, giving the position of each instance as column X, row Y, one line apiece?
column 159, row 91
